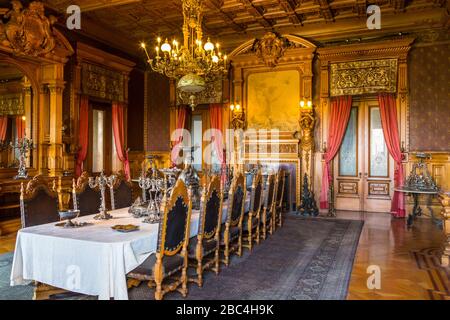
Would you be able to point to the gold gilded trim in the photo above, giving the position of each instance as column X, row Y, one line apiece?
column 363, row 77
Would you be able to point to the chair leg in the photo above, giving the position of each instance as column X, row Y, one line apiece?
column 217, row 260
column 239, row 252
column 133, row 283
column 158, row 275
column 227, row 253
column 199, row 273
column 184, row 281
column 258, row 232
column 250, row 237
column 158, row 292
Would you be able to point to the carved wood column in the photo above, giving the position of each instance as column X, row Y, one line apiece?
column 41, row 129
column 324, row 110
column 445, row 200
column 55, row 154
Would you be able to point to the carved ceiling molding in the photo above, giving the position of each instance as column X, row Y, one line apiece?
column 269, row 42
column 273, row 49
column 398, row 48
column 28, row 32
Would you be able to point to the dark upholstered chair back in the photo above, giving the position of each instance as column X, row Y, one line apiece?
column 280, row 187
column 122, row 192
column 270, row 189
column 38, row 204
column 236, row 200
column 257, row 191
column 211, row 206
column 86, row 199
column 174, row 226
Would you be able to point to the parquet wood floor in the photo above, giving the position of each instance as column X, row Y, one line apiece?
column 407, row 259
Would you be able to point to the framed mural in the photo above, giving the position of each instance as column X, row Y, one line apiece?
column 272, row 100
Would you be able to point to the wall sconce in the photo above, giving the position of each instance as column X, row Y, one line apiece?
column 306, row 104
column 237, row 116
column 235, row 108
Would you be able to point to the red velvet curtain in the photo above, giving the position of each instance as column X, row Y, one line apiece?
column 215, row 114
column 20, row 127
column 3, row 127
column 181, row 119
column 83, row 134
column 339, row 115
column 388, row 112
column 119, row 135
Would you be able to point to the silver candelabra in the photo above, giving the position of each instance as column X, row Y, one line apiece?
column 102, row 182
column 23, row 145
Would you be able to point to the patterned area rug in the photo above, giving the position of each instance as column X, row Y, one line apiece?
column 307, row 259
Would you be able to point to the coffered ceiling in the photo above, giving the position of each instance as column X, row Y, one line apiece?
column 127, row 22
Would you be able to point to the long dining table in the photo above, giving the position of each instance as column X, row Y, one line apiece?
column 91, row 260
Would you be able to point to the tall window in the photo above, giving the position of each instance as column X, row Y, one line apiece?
column 98, row 119
column 206, row 154
column 348, row 160
column 101, row 151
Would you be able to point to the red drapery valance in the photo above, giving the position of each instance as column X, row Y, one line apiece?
column 181, row 120
column 215, row 113
column 339, row 115
column 20, row 127
column 388, row 112
column 119, row 135
column 3, row 127
column 83, row 134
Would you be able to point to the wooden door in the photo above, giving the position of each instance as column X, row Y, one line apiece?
column 363, row 167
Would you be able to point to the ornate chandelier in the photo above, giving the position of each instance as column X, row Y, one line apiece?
column 193, row 63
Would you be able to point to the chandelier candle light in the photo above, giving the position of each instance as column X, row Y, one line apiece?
column 192, row 63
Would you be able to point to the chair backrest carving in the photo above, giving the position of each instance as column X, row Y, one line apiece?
column 280, row 188
column 173, row 232
column 257, row 192
column 38, row 203
column 236, row 200
column 85, row 199
column 270, row 192
column 121, row 192
column 211, row 212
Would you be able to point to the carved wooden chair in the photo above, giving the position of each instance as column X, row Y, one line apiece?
column 278, row 211
column 171, row 257
column 38, row 203
column 85, row 199
column 231, row 238
column 207, row 242
column 251, row 229
column 121, row 192
column 268, row 209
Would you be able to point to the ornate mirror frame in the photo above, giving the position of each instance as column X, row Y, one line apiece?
column 40, row 52
column 273, row 52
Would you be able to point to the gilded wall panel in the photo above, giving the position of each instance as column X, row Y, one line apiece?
column 429, row 80
column 102, row 83
column 272, row 100
column 362, row 77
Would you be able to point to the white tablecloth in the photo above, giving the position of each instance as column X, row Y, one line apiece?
column 92, row 260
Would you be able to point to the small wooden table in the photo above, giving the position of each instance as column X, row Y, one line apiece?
column 417, row 210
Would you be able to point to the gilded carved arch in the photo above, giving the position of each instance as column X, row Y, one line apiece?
column 29, row 40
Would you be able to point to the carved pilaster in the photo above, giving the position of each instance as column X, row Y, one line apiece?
column 55, row 152
column 445, row 200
